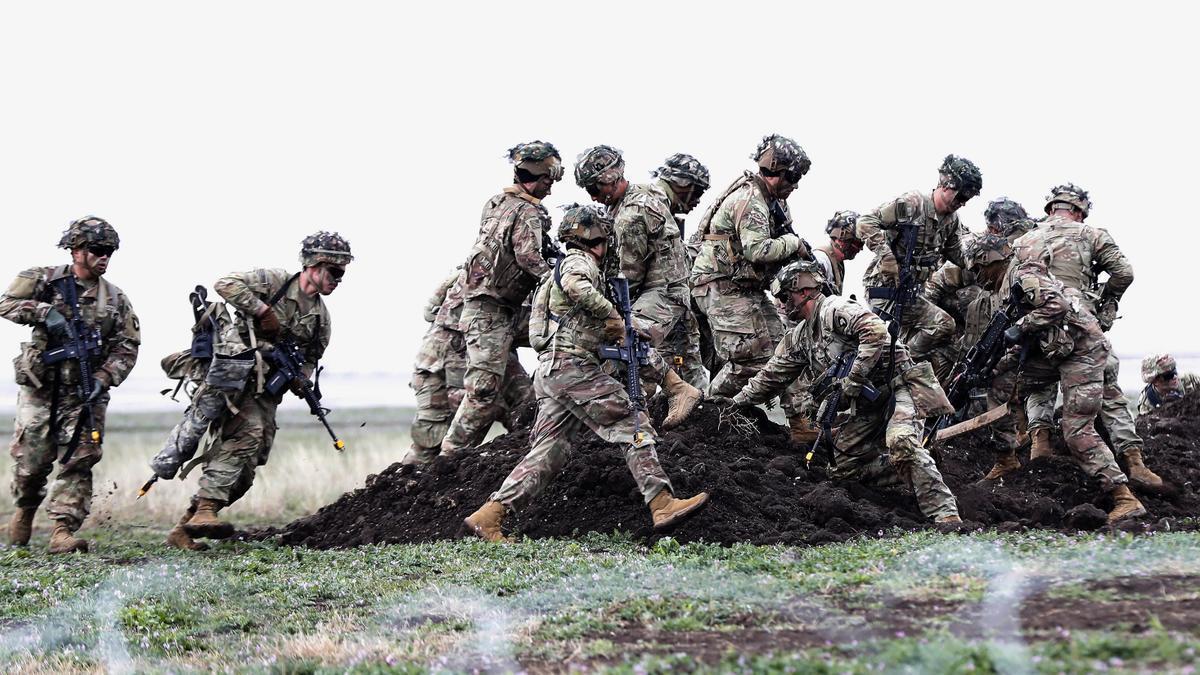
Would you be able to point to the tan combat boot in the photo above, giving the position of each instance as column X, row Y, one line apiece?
column 803, row 431
column 62, row 540
column 667, row 511
column 1039, row 440
column 681, row 399
column 205, row 523
column 1125, row 505
column 1005, row 464
column 1138, row 473
column 21, row 526
column 485, row 523
column 179, row 537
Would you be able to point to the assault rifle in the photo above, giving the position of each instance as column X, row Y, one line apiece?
column 903, row 295
column 632, row 351
column 286, row 359
column 83, row 345
column 828, row 389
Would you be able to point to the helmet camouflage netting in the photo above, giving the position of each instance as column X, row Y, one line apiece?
column 1155, row 365
column 1069, row 194
column 600, row 164
column 539, row 158
column 327, row 247
column 87, row 231
column 1002, row 211
column 797, row 276
column 988, row 248
column 683, row 170
column 961, row 175
column 780, row 154
column 582, row 224
column 843, row 226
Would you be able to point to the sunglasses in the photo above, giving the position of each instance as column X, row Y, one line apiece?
column 1169, row 375
column 101, row 251
column 336, row 272
column 593, row 189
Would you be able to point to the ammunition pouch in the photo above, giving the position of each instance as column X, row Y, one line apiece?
column 30, row 370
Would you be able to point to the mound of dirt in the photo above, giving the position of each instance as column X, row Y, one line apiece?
column 760, row 490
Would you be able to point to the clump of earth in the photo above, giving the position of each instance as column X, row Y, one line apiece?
column 761, row 490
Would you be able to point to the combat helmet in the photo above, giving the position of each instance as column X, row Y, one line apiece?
column 797, row 276
column 961, row 175
column 843, row 226
column 1157, row 364
column 325, row 247
column 1069, row 194
column 599, row 164
column 781, row 156
column 535, row 159
column 988, row 248
column 1001, row 211
column 683, row 170
column 89, row 231
column 584, row 226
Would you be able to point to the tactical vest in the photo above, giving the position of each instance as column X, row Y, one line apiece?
column 931, row 234
column 449, row 315
column 1065, row 249
column 103, row 311
column 828, row 337
column 720, row 255
column 556, row 324
column 491, row 267
column 665, row 264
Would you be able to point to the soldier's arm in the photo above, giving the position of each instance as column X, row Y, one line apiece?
column 1049, row 305
column 633, row 239
column 579, row 288
column 527, row 240
column 871, row 332
column 19, row 303
column 952, row 248
column 317, row 346
column 434, row 303
column 754, row 231
column 246, row 290
column 123, row 346
column 872, row 228
column 1110, row 259
column 945, row 282
column 1190, row 382
column 787, row 363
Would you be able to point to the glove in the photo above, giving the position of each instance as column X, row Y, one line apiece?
column 614, row 329
column 57, row 326
column 267, row 325
column 99, row 386
column 889, row 268
column 297, row 385
column 1013, row 335
column 1107, row 315
column 850, row 388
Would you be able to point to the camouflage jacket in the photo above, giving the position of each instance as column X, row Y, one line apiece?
column 1151, row 399
column 651, row 248
column 1056, row 321
column 577, row 306
column 954, row 289
column 449, row 311
column 31, row 296
column 434, row 303
column 939, row 238
column 837, row 325
column 745, row 237
column 1075, row 254
column 506, row 261
column 304, row 318
column 835, row 270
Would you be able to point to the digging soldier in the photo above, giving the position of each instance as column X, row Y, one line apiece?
column 650, row 255
column 1058, row 343
column 571, row 317
column 271, row 306
column 1007, row 218
column 68, row 306
column 745, row 238
column 1076, row 254
column 843, row 245
column 503, row 267
column 877, row 444
column 937, row 238
column 1163, row 382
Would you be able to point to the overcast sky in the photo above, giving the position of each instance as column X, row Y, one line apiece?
column 216, row 135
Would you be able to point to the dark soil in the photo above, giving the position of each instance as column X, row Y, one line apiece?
column 760, row 490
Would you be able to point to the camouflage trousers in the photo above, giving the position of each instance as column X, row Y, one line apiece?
column 926, row 326
column 860, row 456
column 745, row 326
column 679, row 350
column 573, row 393
column 1005, row 429
column 35, row 449
column 1081, row 377
column 1114, row 411
column 244, row 445
column 489, row 338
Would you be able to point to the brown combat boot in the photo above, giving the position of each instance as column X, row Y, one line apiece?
column 1039, row 440
column 1125, row 505
column 1005, row 464
column 21, row 526
column 205, row 523
column 1138, row 473
column 485, row 523
column 667, row 511
column 681, row 399
column 179, row 538
column 62, row 540
column 803, row 431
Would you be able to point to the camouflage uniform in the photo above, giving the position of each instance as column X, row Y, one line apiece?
column 838, row 325
column 1175, row 389
column 745, row 238
column 504, row 265
column 43, row 389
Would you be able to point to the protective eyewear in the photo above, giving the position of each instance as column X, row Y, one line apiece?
column 1169, row 375
column 101, row 251
column 336, row 272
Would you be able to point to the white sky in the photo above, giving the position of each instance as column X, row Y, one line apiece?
column 216, row 135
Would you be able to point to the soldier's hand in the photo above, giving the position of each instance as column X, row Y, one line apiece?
column 1107, row 315
column 850, row 388
column 720, row 401
column 614, row 329
column 267, row 325
column 99, row 386
column 57, row 326
column 889, row 268
column 1012, row 335
column 298, row 385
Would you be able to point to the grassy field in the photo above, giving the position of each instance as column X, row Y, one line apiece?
column 921, row 602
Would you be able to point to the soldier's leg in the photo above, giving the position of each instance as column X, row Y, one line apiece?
column 741, row 337
column 1114, row 411
column 32, row 449
column 489, row 338
column 245, row 438
column 930, row 327
column 858, row 453
column 516, row 395
column 913, row 463
column 1082, row 391
column 70, row 497
column 432, row 419
column 690, row 363
column 1000, row 393
column 262, row 421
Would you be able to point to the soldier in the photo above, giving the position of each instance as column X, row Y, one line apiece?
column 504, row 265
column 281, row 306
column 1163, row 383
column 1007, row 218
column 938, row 238
column 571, row 315
column 832, row 326
column 650, row 255
column 438, row 375
column 1076, row 254
column 745, row 237
column 843, row 245
column 1057, row 342
column 52, row 420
